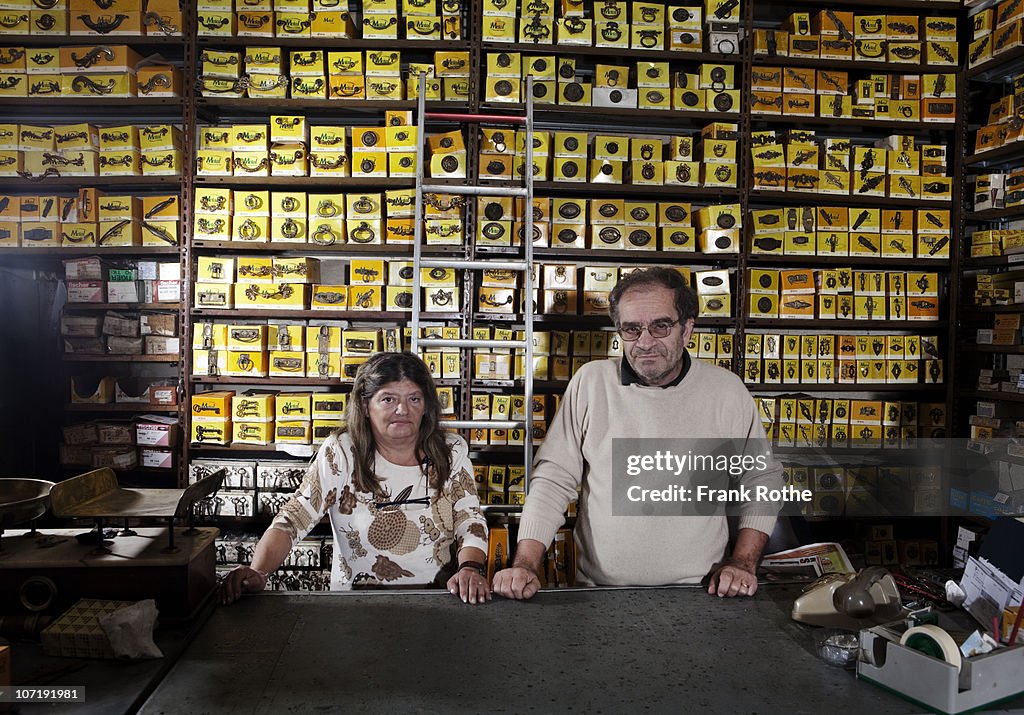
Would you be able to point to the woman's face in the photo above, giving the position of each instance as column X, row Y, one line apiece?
column 396, row 410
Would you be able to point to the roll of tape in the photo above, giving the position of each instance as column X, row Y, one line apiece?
column 932, row 640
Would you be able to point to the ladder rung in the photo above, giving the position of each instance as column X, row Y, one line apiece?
column 474, row 265
column 470, row 343
column 474, row 190
column 481, row 424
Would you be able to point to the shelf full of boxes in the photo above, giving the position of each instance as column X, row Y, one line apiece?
column 93, row 110
column 302, row 229
column 847, row 262
column 661, row 140
column 993, row 286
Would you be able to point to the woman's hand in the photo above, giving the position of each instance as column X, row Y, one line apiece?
column 469, row 585
column 241, row 579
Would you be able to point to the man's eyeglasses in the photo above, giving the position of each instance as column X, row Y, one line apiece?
column 657, row 329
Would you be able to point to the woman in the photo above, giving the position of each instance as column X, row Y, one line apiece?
column 397, row 488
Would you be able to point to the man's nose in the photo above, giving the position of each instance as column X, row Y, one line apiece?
column 646, row 340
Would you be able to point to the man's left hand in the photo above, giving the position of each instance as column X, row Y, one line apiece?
column 730, row 580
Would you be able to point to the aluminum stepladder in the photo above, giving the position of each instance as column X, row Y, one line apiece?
column 524, row 266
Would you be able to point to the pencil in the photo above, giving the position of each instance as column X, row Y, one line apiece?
column 1016, row 623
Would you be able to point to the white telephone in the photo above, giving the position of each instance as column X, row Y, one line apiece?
column 851, row 601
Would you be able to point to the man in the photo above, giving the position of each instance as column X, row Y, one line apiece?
column 656, row 391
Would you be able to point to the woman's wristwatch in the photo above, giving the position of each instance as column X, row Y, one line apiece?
column 475, row 565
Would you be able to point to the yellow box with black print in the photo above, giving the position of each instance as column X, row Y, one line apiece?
column 253, row 432
column 252, row 229
column 288, row 229
column 293, row 406
column 40, row 85
column 323, row 365
column 161, row 162
column 120, row 84
column 293, row 432
column 214, row 162
column 246, row 363
column 289, row 296
column 360, row 342
column 211, row 431
column 247, row 337
column 329, row 163
column 119, row 163
column 160, row 233
column 214, row 295
column 327, row 232
column 331, row 24
column 365, row 297
column 329, row 297
column 77, row 234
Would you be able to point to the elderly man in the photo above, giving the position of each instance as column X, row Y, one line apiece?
column 656, row 391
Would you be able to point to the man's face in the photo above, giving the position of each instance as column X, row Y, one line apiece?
column 657, row 361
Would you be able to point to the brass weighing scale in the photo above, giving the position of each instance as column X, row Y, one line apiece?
column 47, row 571
column 22, row 500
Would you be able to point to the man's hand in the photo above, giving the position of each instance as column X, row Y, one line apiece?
column 729, row 579
column 469, row 585
column 239, row 580
column 516, row 582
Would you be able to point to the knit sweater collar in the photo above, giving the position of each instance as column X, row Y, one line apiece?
column 628, row 376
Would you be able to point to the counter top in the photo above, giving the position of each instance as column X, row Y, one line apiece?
column 583, row 650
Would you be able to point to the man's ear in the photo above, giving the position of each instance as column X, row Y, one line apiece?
column 688, row 329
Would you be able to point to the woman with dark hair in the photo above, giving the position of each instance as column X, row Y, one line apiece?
column 398, row 489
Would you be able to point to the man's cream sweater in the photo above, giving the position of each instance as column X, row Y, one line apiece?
column 577, row 452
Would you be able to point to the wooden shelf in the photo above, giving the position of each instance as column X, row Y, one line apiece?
column 100, row 105
column 302, row 181
column 846, row 123
column 873, row 452
column 995, row 261
column 260, row 105
column 1006, row 214
column 591, row 320
column 994, row 395
column 90, row 39
column 834, row 387
column 596, row 255
column 856, row 64
column 352, row 315
column 82, row 468
column 912, row 326
column 383, row 249
column 120, row 407
column 120, row 358
column 233, row 380
column 1015, row 308
column 814, row 198
column 198, row 447
column 586, row 115
column 483, row 384
column 1006, row 155
column 69, row 252
column 923, row 6
column 617, row 52
column 41, row 185
column 998, row 69
column 333, row 43
column 541, row 188
column 1001, row 349
column 755, row 259
column 122, row 306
